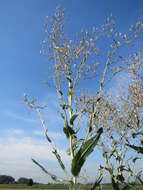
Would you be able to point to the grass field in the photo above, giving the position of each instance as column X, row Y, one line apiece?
column 38, row 187
column 50, row 187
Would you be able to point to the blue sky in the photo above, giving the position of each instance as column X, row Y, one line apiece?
column 23, row 69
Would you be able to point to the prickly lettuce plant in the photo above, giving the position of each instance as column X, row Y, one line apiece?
column 120, row 117
column 123, row 128
column 70, row 61
column 75, row 64
column 133, row 107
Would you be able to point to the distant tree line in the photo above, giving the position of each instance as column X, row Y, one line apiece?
column 4, row 179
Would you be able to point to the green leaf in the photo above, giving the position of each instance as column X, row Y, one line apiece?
column 135, row 159
column 90, row 125
column 54, row 177
column 55, row 152
column 68, row 130
column 60, row 92
column 139, row 149
column 59, row 159
column 47, row 137
column 71, row 131
column 73, row 118
column 65, row 130
column 85, row 150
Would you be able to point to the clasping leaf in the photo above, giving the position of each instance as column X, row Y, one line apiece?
column 85, row 150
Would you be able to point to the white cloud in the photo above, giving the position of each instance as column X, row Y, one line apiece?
column 16, row 154
column 18, row 149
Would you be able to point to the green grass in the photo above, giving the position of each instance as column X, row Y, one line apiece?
column 50, row 187
column 38, row 187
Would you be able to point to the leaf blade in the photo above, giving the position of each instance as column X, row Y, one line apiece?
column 85, row 150
column 136, row 148
column 73, row 118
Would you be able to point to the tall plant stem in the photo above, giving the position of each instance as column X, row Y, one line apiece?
column 71, row 125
